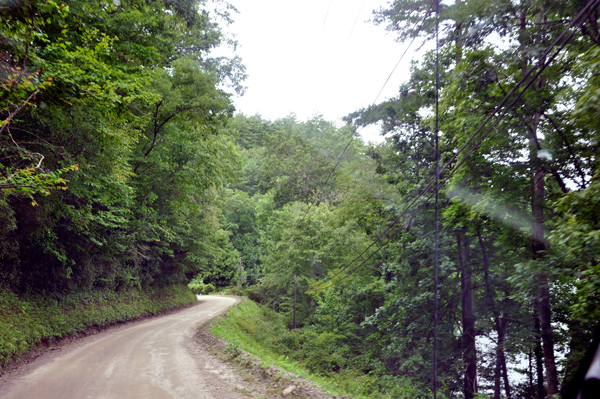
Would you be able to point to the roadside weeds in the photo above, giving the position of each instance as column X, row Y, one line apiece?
column 263, row 381
column 50, row 345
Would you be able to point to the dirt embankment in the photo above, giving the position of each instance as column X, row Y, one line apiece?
column 260, row 380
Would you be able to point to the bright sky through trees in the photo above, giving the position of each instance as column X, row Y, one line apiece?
column 305, row 57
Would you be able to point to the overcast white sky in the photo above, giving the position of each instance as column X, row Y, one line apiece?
column 305, row 57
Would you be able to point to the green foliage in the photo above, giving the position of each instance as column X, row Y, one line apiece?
column 578, row 237
column 321, row 357
column 209, row 289
column 300, row 157
column 30, row 181
column 201, row 288
column 369, row 310
column 239, row 214
column 113, row 130
column 123, row 168
column 27, row 321
column 196, row 288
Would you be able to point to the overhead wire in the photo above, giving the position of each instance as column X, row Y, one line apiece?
column 437, row 192
column 326, row 14
column 422, row 22
column 543, row 64
column 392, row 225
column 354, row 26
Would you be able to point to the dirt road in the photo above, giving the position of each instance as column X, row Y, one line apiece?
column 153, row 359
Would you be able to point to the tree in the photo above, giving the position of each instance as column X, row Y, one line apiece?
column 117, row 77
column 300, row 158
column 474, row 84
column 239, row 213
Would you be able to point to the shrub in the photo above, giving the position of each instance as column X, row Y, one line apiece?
column 323, row 353
column 234, row 290
column 208, row 288
column 196, row 288
column 324, row 357
column 257, row 293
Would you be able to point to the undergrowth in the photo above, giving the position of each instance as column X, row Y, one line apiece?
column 199, row 288
column 27, row 321
column 319, row 357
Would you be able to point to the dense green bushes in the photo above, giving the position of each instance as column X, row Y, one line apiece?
column 201, row 288
column 27, row 321
column 113, row 144
column 322, row 357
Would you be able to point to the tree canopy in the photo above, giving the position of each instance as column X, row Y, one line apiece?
column 113, row 143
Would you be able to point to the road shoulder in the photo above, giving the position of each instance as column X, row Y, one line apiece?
column 44, row 353
column 258, row 380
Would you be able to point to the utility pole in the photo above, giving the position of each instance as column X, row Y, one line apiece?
column 295, row 283
column 240, row 270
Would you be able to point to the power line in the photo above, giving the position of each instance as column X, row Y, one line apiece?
column 543, row 65
column 373, row 103
column 354, row 26
column 437, row 191
column 326, row 14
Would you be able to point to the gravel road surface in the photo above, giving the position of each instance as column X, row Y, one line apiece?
column 152, row 359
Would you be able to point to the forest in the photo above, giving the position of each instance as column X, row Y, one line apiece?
column 124, row 166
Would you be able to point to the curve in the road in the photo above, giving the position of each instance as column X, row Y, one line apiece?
column 151, row 360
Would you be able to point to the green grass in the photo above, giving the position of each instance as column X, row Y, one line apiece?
column 27, row 321
column 321, row 358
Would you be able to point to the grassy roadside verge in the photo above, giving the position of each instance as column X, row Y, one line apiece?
column 262, row 332
column 30, row 321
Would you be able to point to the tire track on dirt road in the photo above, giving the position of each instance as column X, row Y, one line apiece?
column 154, row 359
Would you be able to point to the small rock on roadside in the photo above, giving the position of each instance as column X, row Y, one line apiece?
column 288, row 391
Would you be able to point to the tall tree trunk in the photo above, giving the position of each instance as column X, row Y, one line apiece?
column 537, row 350
column 501, row 340
column 497, row 372
column 500, row 324
column 579, row 342
column 468, row 317
column 538, row 243
column 547, row 337
column 538, row 246
column 501, row 358
column 531, row 390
